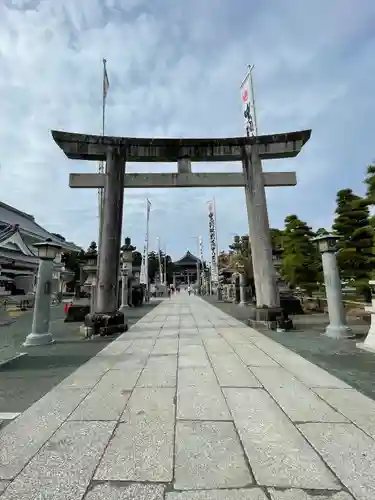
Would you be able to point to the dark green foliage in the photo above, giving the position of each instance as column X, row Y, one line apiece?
column 301, row 261
column 355, row 256
column 153, row 266
column 277, row 238
column 137, row 259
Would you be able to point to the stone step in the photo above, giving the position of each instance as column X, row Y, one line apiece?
column 8, row 354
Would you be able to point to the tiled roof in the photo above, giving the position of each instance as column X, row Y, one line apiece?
column 26, row 222
column 187, row 259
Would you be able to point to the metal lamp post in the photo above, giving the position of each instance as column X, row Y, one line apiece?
column 40, row 335
column 126, row 271
column 337, row 327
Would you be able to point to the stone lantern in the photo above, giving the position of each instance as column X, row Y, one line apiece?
column 369, row 343
column 40, row 335
column 126, row 271
column 337, row 328
column 236, row 246
column 90, row 267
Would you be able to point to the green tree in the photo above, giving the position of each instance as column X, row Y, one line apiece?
column 153, row 266
column 137, row 259
column 352, row 225
column 240, row 256
column 321, row 231
column 277, row 236
column 370, row 195
column 300, row 256
column 370, row 185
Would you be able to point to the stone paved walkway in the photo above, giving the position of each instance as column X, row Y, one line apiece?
column 192, row 405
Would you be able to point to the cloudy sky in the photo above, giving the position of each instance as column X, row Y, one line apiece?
column 174, row 68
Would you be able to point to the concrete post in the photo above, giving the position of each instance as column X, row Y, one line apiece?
column 124, row 290
column 242, row 290
column 111, row 236
column 369, row 343
column 42, row 307
column 259, row 230
column 337, row 328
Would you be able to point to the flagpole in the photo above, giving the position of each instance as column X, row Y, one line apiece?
column 148, row 207
column 101, row 164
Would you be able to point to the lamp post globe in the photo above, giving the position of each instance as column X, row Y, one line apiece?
column 40, row 335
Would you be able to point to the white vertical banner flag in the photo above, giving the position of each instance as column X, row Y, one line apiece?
column 212, row 230
column 248, row 104
column 144, row 268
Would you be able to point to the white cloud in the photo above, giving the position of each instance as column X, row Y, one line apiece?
column 174, row 70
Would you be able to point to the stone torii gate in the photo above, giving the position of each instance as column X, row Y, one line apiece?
column 116, row 151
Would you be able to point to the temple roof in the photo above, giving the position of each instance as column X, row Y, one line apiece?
column 187, row 259
column 13, row 220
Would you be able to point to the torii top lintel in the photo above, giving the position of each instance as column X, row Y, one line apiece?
column 94, row 147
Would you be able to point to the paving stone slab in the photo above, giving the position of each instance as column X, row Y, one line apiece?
column 145, row 327
column 304, row 370
column 193, row 356
column 107, row 400
column 305, row 495
column 277, row 453
column 131, row 366
column 232, row 494
column 23, row 437
column 349, row 452
column 159, row 372
column 134, row 491
column 209, row 455
column 3, row 485
column 86, row 377
column 165, row 346
column 64, row 466
column 299, row 402
column 199, row 396
column 252, row 355
column 142, row 446
column 115, row 348
column 187, row 341
column 231, row 372
column 218, row 346
column 355, row 406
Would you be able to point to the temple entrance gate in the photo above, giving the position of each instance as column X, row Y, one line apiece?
column 116, row 151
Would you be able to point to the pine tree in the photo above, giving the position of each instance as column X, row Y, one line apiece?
column 355, row 255
column 241, row 255
column 300, row 256
column 370, row 195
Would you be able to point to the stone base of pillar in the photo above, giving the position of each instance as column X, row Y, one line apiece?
column 271, row 317
column 35, row 339
column 78, row 311
column 106, row 323
column 339, row 332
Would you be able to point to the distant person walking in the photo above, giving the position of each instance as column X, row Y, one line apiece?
column 189, row 289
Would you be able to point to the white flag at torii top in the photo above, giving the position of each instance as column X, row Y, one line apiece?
column 247, row 99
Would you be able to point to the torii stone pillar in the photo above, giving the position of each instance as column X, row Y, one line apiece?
column 106, row 318
column 267, row 294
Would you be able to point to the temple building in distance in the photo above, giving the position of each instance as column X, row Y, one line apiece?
column 18, row 257
column 186, row 269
